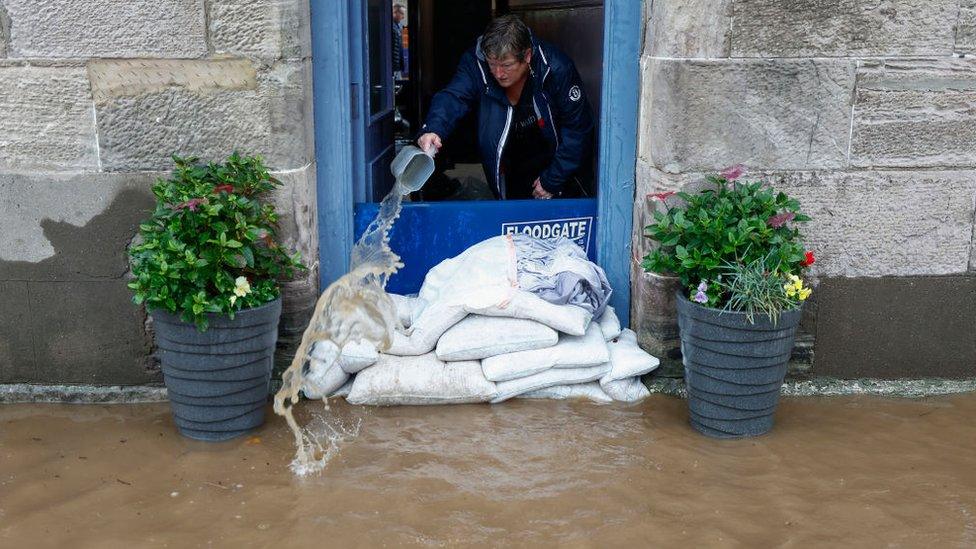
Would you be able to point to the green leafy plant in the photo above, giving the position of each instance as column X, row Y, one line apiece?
column 210, row 245
column 719, row 240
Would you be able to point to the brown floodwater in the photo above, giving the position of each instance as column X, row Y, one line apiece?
column 854, row 471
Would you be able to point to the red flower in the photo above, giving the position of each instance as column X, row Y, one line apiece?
column 229, row 189
column 661, row 196
column 733, row 172
column 779, row 220
column 191, row 204
column 808, row 259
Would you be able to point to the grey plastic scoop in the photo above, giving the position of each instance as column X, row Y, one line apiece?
column 411, row 168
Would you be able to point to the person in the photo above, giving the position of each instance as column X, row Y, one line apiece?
column 399, row 13
column 535, row 128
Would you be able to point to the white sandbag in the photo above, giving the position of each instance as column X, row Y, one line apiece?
column 570, row 352
column 329, row 370
column 437, row 317
column 357, row 355
column 428, row 327
column 324, row 351
column 421, row 379
column 407, row 308
column 628, row 359
column 568, row 319
column 609, row 324
column 488, row 264
column 628, row 362
column 344, row 390
column 479, row 336
column 323, row 379
column 588, row 391
column 629, row 389
column 548, row 378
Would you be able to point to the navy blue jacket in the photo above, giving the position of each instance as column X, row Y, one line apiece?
column 558, row 98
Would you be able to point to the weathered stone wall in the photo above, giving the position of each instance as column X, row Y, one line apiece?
column 866, row 112
column 95, row 96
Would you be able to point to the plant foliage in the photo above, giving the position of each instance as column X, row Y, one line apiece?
column 210, row 245
column 721, row 240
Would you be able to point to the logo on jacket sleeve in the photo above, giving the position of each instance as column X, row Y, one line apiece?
column 575, row 93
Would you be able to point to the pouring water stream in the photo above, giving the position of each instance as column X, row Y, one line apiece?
column 355, row 307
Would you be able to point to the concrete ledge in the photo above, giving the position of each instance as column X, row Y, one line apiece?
column 136, row 394
column 81, row 394
column 897, row 388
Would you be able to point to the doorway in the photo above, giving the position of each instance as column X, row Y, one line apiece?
column 386, row 108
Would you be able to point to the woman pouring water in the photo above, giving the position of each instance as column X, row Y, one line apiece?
column 535, row 129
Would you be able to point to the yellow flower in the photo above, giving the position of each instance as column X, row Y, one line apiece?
column 241, row 287
column 795, row 288
column 797, row 283
column 233, row 299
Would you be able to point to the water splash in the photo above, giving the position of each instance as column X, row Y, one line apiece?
column 355, row 307
column 323, row 436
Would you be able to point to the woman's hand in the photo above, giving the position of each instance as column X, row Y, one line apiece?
column 429, row 141
column 538, row 191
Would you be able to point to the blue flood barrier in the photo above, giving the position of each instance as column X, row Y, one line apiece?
column 427, row 233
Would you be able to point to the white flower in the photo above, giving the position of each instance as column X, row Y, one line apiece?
column 241, row 288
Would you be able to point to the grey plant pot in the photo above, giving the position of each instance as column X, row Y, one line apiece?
column 218, row 380
column 733, row 369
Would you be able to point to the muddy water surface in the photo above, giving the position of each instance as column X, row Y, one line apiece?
column 857, row 471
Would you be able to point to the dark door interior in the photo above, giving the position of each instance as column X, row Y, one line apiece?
column 379, row 112
column 576, row 27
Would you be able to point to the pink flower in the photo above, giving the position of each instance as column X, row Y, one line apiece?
column 733, row 172
column 191, row 204
column 661, row 196
column 779, row 220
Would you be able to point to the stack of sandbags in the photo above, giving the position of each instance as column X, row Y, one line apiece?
column 603, row 365
column 509, row 316
column 437, row 358
column 489, row 359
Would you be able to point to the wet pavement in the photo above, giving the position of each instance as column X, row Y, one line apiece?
column 854, row 471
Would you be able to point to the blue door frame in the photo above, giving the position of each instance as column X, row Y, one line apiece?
column 334, row 148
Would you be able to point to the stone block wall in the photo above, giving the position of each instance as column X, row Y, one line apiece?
column 863, row 110
column 95, row 96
